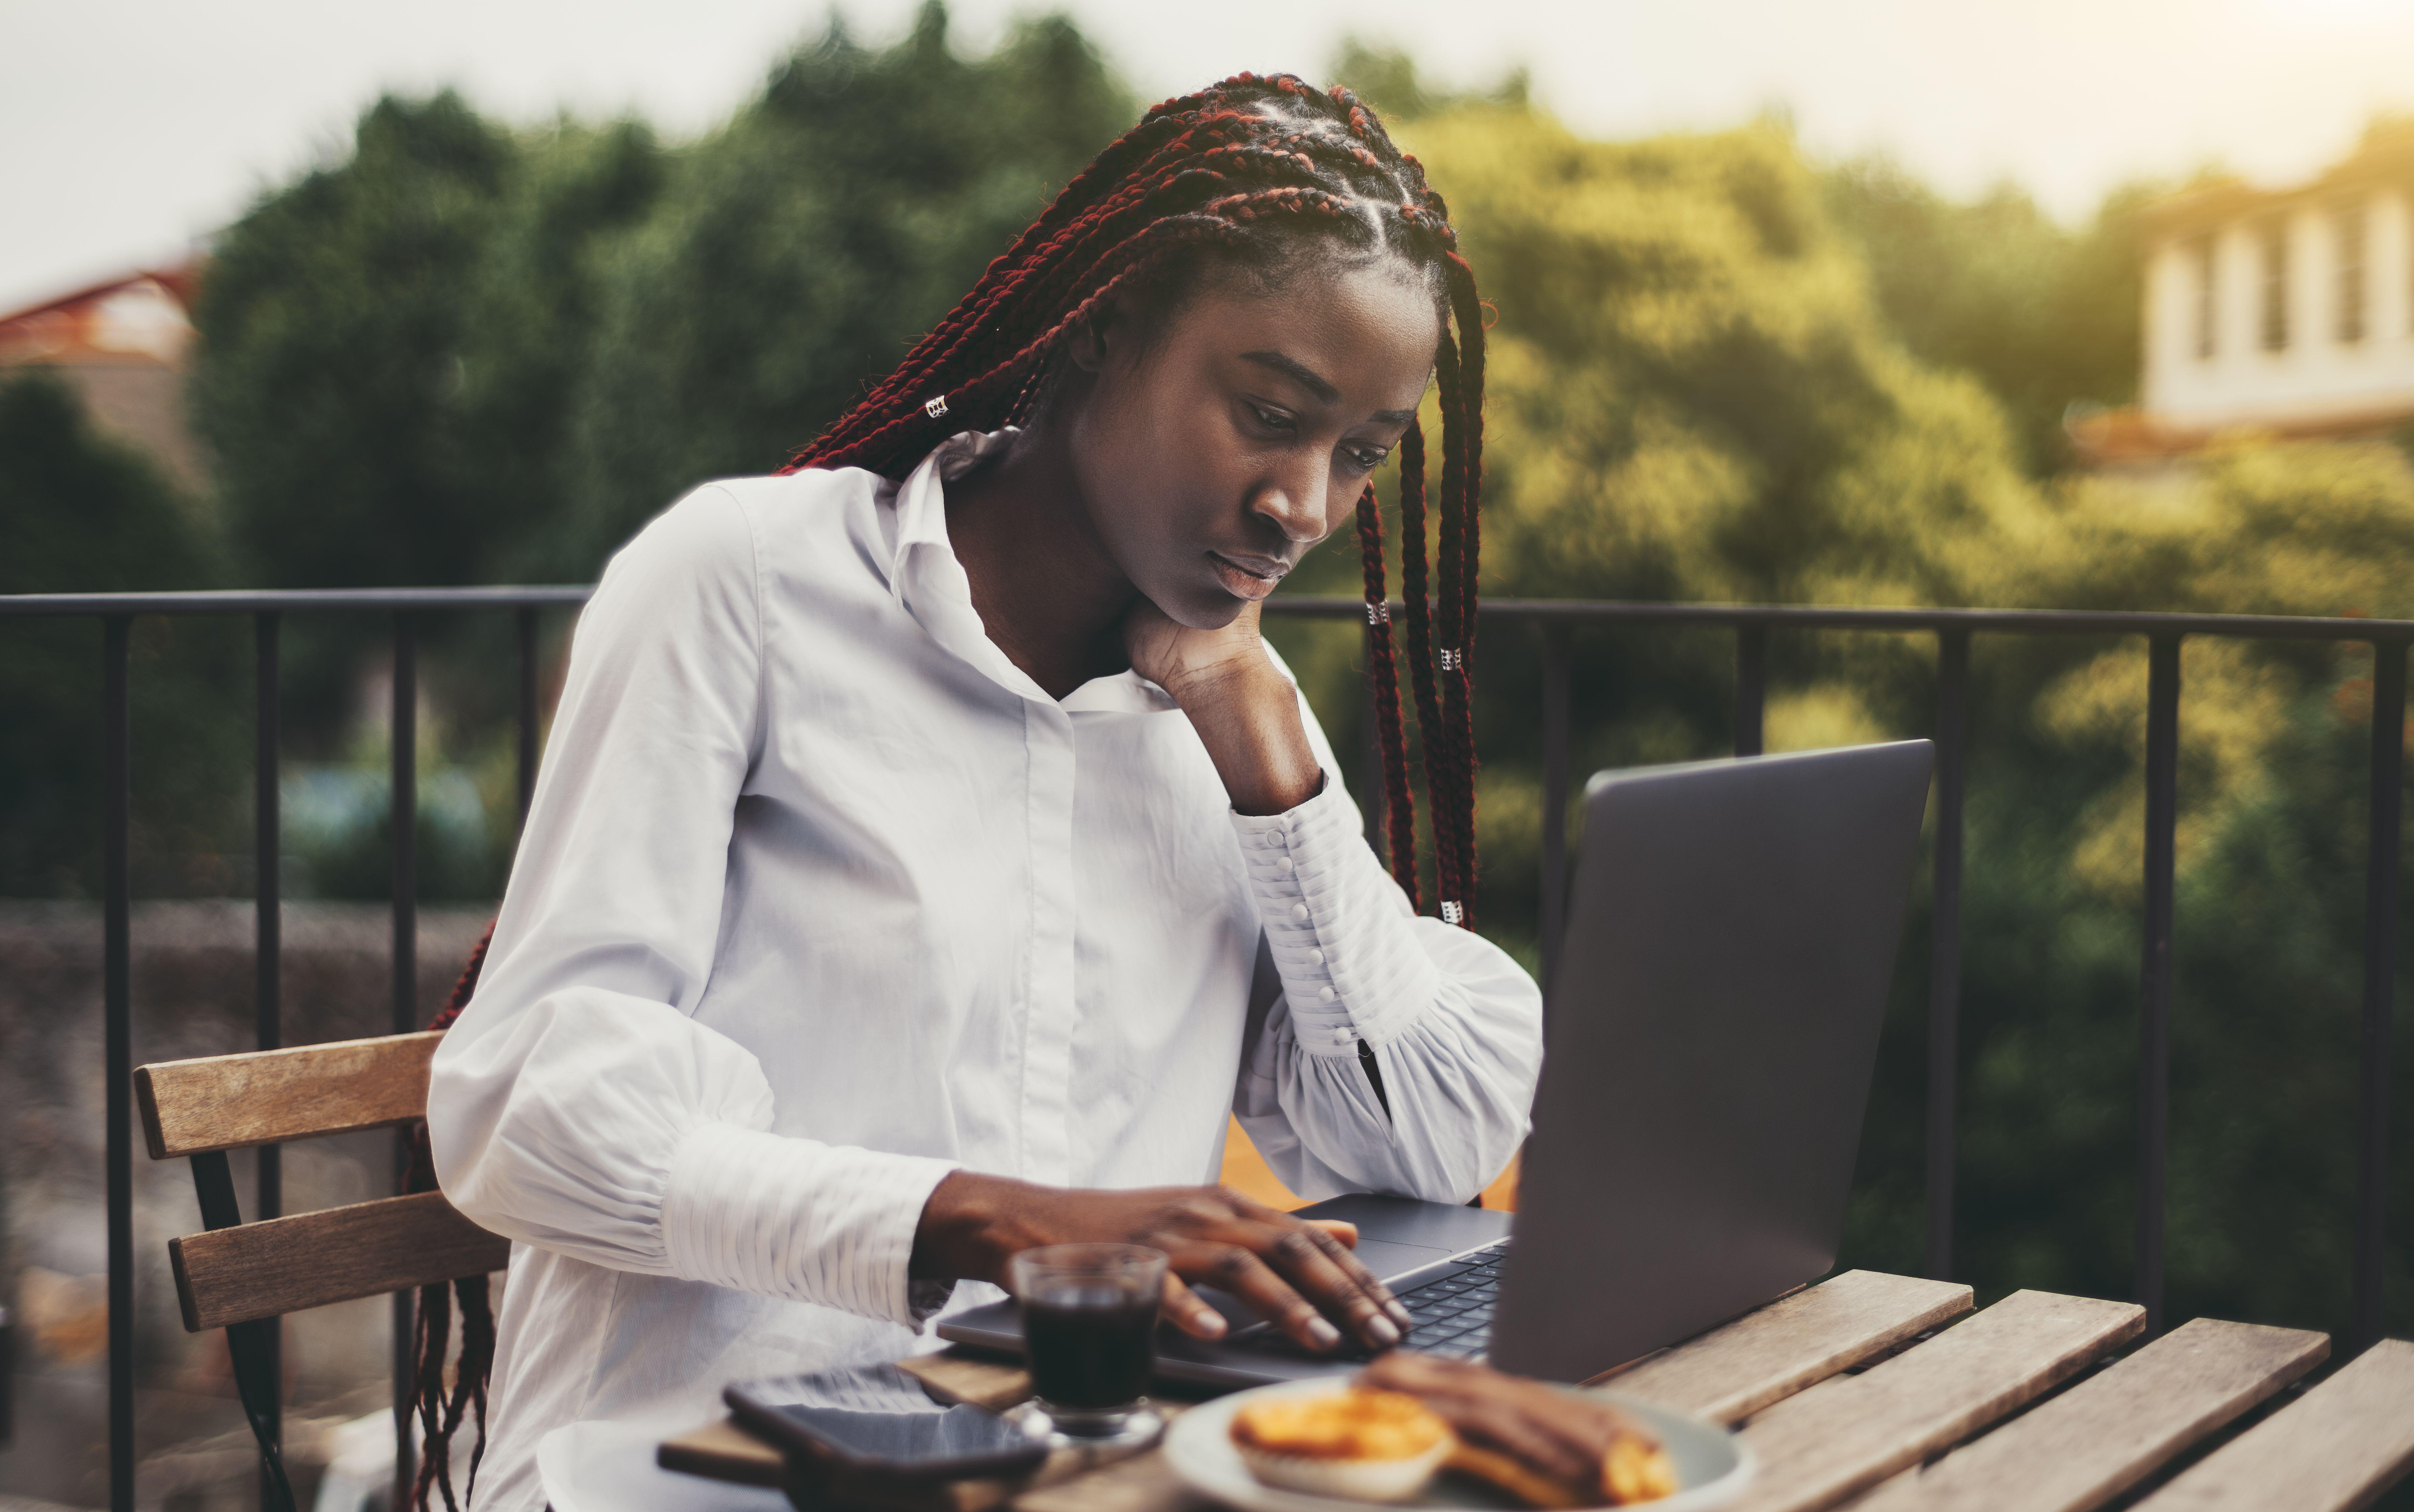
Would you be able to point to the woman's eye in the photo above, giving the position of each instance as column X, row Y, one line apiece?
column 1273, row 419
column 1365, row 458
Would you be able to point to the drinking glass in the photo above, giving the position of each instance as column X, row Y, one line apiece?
column 1089, row 1319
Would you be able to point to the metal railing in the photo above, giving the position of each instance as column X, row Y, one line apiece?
column 1554, row 621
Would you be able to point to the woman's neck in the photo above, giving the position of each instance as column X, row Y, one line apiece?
column 1047, row 592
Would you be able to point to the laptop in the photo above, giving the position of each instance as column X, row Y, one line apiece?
column 1711, row 1033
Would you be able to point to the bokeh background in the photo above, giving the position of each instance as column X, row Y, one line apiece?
column 1822, row 304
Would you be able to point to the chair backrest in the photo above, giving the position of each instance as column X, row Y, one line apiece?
column 236, row 1272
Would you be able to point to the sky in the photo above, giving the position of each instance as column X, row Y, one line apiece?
column 129, row 127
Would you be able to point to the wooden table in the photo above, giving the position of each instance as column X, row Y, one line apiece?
column 1888, row 1394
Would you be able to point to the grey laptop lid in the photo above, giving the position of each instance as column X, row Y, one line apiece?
column 1713, row 1028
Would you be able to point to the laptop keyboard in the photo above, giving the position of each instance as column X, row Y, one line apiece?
column 1453, row 1314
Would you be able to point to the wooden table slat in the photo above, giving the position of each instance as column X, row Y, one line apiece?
column 1739, row 1367
column 953, row 1376
column 2335, row 1448
column 720, row 1451
column 1847, row 1433
column 2111, row 1432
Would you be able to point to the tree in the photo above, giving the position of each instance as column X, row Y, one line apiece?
column 2044, row 316
column 332, row 324
column 86, row 514
column 807, row 242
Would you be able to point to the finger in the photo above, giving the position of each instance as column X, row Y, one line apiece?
column 1189, row 1314
column 1235, row 1268
column 1330, row 1276
column 1341, row 1249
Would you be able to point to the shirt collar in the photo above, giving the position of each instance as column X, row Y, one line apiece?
column 922, row 502
column 929, row 582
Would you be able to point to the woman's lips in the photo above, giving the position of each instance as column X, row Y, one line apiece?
column 1241, row 581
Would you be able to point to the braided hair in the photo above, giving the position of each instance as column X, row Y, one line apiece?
column 1254, row 174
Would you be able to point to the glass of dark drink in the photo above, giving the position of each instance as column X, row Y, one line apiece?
column 1089, row 1318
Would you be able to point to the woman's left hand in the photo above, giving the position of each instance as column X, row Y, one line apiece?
column 1245, row 711
column 1185, row 661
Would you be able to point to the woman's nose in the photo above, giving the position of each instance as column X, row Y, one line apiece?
column 1298, row 504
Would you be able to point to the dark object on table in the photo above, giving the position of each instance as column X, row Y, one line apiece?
column 872, row 1436
column 1094, row 1357
column 1090, row 1313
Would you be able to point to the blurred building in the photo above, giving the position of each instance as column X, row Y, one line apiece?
column 2286, row 311
column 121, row 346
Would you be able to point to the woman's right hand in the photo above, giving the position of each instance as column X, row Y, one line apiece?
column 1299, row 1274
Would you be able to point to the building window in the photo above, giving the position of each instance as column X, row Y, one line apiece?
column 2204, row 306
column 2275, row 238
column 2348, row 224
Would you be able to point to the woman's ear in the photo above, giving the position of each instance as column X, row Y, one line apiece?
column 1086, row 346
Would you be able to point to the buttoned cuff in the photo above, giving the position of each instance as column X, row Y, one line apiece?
column 830, row 1224
column 1342, row 934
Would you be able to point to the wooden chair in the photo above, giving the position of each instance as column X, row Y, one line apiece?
column 239, row 1276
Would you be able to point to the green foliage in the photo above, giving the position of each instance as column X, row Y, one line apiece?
column 332, row 325
column 1387, row 78
column 2044, row 317
column 804, row 247
column 86, row 516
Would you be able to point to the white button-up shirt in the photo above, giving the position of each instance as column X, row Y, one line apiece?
column 821, row 896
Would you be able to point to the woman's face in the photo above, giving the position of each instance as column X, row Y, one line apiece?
column 1213, row 454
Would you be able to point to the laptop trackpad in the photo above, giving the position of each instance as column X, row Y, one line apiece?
column 1388, row 1258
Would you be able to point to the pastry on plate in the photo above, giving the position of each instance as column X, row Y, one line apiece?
column 1547, row 1447
column 1356, row 1444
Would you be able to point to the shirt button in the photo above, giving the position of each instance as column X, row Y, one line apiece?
column 1284, row 864
column 1324, row 993
column 1298, row 911
column 1268, row 841
column 1316, row 955
column 1340, row 1036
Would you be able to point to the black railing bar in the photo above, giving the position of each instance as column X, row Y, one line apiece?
column 2155, row 971
column 256, row 602
column 267, row 973
column 1554, row 797
column 1815, row 617
column 1944, row 947
column 405, row 811
column 2382, row 859
column 1751, row 687
column 117, row 1030
column 527, row 710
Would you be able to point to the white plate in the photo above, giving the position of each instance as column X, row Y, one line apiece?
column 1713, row 1466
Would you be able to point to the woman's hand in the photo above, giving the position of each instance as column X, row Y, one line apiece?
column 1300, row 1275
column 1246, row 712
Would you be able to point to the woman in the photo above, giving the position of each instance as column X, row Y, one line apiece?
column 929, row 853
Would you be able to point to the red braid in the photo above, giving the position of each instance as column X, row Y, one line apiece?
column 1383, row 682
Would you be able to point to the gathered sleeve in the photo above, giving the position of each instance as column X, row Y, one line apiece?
column 577, row 1105
column 1454, row 1024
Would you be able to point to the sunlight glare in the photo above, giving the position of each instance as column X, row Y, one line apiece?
column 2331, row 14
